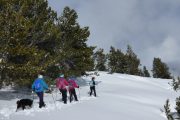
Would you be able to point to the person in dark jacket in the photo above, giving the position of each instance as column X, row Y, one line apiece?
column 92, row 86
column 39, row 86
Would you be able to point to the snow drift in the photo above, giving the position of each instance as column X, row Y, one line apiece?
column 120, row 97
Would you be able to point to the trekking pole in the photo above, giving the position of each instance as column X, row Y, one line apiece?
column 79, row 94
column 33, row 95
column 33, row 99
column 56, row 94
column 53, row 100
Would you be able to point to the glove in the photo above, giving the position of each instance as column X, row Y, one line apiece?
column 67, row 87
column 32, row 91
column 49, row 90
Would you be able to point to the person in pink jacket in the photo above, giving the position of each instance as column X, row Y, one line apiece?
column 62, row 84
column 72, row 91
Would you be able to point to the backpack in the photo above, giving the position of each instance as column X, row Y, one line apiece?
column 71, row 86
column 92, row 83
column 61, row 84
column 37, row 85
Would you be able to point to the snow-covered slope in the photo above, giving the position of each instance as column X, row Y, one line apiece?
column 120, row 97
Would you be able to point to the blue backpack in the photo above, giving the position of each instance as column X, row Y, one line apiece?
column 37, row 85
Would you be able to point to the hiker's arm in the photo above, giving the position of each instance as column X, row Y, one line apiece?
column 66, row 83
column 94, row 83
column 75, row 85
column 45, row 85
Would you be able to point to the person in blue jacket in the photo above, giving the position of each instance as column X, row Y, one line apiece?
column 39, row 86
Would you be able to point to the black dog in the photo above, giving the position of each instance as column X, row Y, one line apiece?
column 23, row 103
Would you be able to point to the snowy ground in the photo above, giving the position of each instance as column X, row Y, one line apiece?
column 120, row 97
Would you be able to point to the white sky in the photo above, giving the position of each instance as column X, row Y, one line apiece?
column 151, row 27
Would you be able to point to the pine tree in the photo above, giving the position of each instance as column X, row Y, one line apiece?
column 121, row 63
column 133, row 62
column 117, row 61
column 178, row 105
column 76, row 57
column 160, row 69
column 167, row 110
column 145, row 72
column 176, row 83
column 100, row 59
column 112, row 60
column 28, row 38
column 33, row 39
column 141, row 72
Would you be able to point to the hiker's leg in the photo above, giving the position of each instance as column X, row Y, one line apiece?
column 71, row 95
column 94, row 91
column 40, row 95
column 91, row 89
column 61, row 91
column 75, row 96
column 64, row 95
column 43, row 104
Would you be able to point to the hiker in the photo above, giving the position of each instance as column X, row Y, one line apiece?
column 62, row 85
column 72, row 91
column 39, row 86
column 92, row 86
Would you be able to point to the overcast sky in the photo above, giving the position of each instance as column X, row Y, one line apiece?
column 151, row 27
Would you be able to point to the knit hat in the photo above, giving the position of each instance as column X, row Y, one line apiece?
column 40, row 76
column 61, row 75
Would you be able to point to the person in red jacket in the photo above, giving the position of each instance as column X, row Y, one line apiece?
column 72, row 91
column 62, row 85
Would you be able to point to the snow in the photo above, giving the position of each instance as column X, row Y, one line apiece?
column 120, row 97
